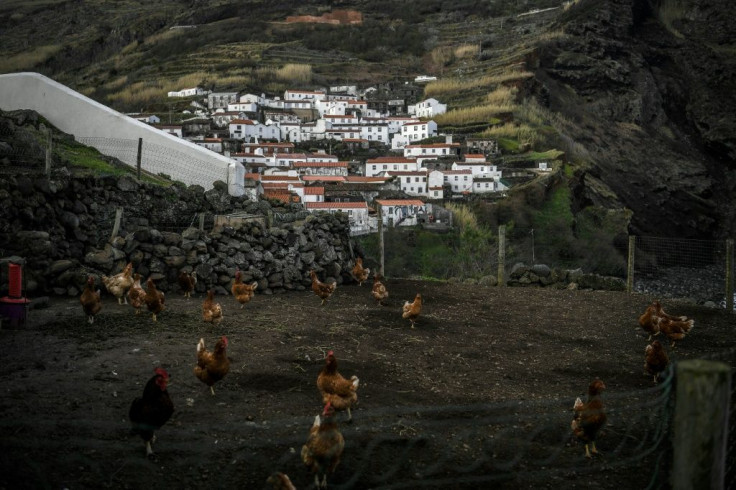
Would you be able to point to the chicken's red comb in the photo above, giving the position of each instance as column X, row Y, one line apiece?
column 161, row 372
column 327, row 408
column 330, row 353
column 224, row 339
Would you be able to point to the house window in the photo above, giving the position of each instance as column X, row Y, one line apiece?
column 465, row 178
column 424, row 179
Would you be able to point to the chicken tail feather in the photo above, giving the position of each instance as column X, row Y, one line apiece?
column 200, row 346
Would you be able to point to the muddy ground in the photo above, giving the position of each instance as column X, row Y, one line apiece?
column 479, row 394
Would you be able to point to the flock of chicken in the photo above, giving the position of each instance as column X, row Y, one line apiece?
column 149, row 412
column 590, row 416
column 323, row 449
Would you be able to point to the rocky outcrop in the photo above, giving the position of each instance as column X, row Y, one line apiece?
column 541, row 275
column 63, row 229
column 646, row 89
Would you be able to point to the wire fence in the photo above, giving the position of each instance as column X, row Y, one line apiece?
column 519, row 444
column 160, row 160
column 699, row 270
column 682, row 268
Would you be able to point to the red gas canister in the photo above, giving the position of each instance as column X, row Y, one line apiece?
column 15, row 281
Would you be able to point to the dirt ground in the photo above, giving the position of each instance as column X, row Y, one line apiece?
column 482, row 365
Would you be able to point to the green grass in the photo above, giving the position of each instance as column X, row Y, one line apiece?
column 88, row 159
column 555, row 209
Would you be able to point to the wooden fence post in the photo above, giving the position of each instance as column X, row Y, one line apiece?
column 701, row 425
column 630, row 265
column 381, row 248
column 502, row 255
column 49, row 151
column 729, row 275
column 139, row 157
column 116, row 227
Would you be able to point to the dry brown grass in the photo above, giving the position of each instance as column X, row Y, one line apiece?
column 27, row 60
column 456, row 85
column 467, row 115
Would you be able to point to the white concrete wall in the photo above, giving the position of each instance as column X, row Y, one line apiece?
column 107, row 130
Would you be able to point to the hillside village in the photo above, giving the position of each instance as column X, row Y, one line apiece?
column 410, row 170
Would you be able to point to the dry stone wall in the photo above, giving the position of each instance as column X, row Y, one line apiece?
column 62, row 228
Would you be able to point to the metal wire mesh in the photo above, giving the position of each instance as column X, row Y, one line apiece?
column 519, row 444
column 673, row 267
column 160, row 160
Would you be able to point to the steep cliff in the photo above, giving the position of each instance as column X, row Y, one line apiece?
column 646, row 94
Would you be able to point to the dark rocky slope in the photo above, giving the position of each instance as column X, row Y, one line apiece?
column 650, row 106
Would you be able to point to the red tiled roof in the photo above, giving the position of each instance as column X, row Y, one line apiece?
column 391, row 160
column 323, row 178
column 275, row 185
column 337, row 205
column 253, row 176
column 365, row 180
column 456, row 172
column 400, row 202
column 320, row 164
column 247, row 122
column 291, row 156
column 277, row 178
column 314, row 191
column 281, row 195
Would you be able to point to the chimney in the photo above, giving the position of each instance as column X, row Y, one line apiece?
column 448, row 139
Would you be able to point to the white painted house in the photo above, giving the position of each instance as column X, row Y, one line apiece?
column 431, row 151
column 314, row 193
column 428, row 108
column 412, row 183
column 478, row 169
column 375, row 132
column 460, row 181
column 220, row 100
column 242, row 107
column 381, row 165
column 401, row 212
column 321, row 168
column 415, row 131
column 248, row 130
column 187, row 92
